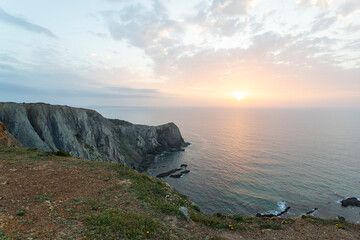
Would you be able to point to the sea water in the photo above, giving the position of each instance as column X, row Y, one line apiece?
column 248, row 161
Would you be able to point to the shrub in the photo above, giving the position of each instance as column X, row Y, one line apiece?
column 62, row 154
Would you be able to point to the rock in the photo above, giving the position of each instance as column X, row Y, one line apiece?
column 183, row 165
column 185, row 212
column 185, row 171
column 342, row 219
column 165, row 174
column 178, row 175
column 6, row 139
column 312, row 211
column 273, row 215
column 283, row 212
column 353, row 201
column 85, row 133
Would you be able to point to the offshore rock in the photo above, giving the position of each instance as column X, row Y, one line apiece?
column 6, row 139
column 177, row 175
column 85, row 133
column 353, row 201
column 165, row 174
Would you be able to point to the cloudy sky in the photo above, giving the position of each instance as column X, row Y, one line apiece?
column 266, row 53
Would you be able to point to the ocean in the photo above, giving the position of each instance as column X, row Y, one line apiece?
column 248, row 161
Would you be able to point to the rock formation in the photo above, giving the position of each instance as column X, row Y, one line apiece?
column 6, row 139
column 85, row 133
column 352, row 201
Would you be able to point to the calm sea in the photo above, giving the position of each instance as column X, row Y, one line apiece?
column 245, row 161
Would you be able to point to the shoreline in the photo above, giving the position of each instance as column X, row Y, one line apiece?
column 44, row 196
column 332, row 209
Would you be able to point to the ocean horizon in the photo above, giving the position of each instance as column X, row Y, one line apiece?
column 248, row 161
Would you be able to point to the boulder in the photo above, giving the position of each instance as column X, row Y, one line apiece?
column 353, row 201
column 185, row 212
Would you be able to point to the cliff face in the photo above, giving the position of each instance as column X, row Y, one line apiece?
column 85, row 133
column 6, row 139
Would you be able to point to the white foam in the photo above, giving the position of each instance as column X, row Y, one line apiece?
column 281, row 207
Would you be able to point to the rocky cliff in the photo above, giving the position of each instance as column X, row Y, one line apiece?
column 6, row 139
column 85, row 133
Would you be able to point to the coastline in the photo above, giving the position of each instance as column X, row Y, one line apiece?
column 118, row 201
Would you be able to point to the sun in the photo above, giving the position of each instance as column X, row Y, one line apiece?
column 239, row 95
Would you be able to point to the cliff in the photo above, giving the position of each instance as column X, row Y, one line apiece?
column 85, row 133
column 44, row 196
column 6, row 139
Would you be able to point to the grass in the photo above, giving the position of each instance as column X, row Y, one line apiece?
column 3, row 236
column 155, row 192
column 21, row 212
column 126, row 205
column 62, row 153
column 42, row 197
column 337, row 222
column 122, row 225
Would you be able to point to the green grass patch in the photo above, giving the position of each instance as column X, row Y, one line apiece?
column 337, row 222
column 154, row 191
column 21, row 212
column 123, row 225
column 3, row 235
column 62, row 153
column 42, row 197
column 271, row 225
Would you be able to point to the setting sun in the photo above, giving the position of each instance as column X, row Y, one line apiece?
column 240, row 95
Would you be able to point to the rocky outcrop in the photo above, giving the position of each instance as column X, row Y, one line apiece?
column 6, row 139
column 353, row 201
column 165, row 174
column 85, row 133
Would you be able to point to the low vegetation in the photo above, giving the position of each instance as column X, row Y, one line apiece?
column 56, row 196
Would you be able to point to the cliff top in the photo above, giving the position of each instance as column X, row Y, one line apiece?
column 44, row 196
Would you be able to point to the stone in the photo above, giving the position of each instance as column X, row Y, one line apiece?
column 273, row 215
column 185, row 212
column 312, row 211
column 353, row 201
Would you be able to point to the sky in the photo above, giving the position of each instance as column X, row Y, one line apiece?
column 167, row 53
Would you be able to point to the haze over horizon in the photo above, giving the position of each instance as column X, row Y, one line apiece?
column 210, row 53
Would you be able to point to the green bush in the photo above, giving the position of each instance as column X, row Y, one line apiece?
column 62, row 154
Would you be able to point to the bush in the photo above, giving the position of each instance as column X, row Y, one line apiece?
column 62, row 154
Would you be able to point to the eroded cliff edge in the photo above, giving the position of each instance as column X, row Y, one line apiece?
column 85, row 133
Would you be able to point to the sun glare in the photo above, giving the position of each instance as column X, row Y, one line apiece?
column 239, row 95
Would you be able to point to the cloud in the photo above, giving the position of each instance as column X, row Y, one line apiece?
column 24, row 24
column 229, row 7
column 139, row 26
column 321, row 4
column 64, row 84
column 322, row 23
column 7, row 58
column 351, row 27
column 348, row 8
